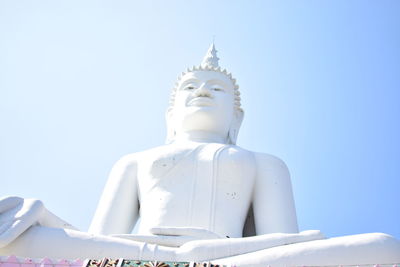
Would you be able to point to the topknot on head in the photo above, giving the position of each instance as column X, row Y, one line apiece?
column 210, row 60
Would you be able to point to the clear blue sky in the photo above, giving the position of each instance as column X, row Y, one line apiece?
column 84, row 82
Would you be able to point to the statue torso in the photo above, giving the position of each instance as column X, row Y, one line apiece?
column 208, row 186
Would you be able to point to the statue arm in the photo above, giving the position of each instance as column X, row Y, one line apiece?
column 118, row 209
column 273, row 203
column 19, row 214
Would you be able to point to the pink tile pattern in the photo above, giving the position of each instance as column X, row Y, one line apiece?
column 13, row 261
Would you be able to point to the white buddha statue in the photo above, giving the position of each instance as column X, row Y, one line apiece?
column 196, row 197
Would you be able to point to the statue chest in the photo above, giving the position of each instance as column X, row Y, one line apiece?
column 206, row 187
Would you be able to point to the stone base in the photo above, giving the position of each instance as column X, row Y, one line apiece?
column 13, row 261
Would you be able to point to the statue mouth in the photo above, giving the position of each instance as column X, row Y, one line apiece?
column 201, row 101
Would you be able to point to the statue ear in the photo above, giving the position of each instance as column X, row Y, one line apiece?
column 170, row 126
column 235, row 126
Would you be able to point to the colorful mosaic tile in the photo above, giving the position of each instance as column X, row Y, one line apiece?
column 136, row 263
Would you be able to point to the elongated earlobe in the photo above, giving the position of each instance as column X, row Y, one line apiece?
column 170, row 126
column 235, row 126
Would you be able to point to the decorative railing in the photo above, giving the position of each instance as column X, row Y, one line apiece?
column 13, row 261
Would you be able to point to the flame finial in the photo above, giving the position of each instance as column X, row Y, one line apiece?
column 210, row 60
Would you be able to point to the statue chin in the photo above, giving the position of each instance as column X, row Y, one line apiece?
column 201, row 119
column 197, row 195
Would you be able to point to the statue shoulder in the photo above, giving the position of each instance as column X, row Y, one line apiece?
column 267, row 163
column 132, row 159
column 129, row 160
column 262, row 159
column 268, row 160
column 237, row 150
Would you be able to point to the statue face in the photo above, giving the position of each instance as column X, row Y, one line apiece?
column 204, row 101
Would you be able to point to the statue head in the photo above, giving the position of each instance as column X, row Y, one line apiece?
column 205, row 98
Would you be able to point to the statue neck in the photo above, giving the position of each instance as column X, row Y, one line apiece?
column 199, row 137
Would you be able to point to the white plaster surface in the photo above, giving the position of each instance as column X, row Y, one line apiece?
column 191, row 194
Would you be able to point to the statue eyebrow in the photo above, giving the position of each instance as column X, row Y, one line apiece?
column 190, row 81
column 219, row 82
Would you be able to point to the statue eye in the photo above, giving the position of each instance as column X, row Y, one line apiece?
column 217, row 89
column 190, row 87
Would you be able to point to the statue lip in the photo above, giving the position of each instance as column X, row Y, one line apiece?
column 201, row 101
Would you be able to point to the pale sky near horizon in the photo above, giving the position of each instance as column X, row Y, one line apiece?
column 83, row 83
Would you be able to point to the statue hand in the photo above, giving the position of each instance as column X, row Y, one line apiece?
column 196, row 232
column 172, row 236
column 18, row 214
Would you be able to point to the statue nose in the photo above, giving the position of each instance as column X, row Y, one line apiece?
column 203, row 91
